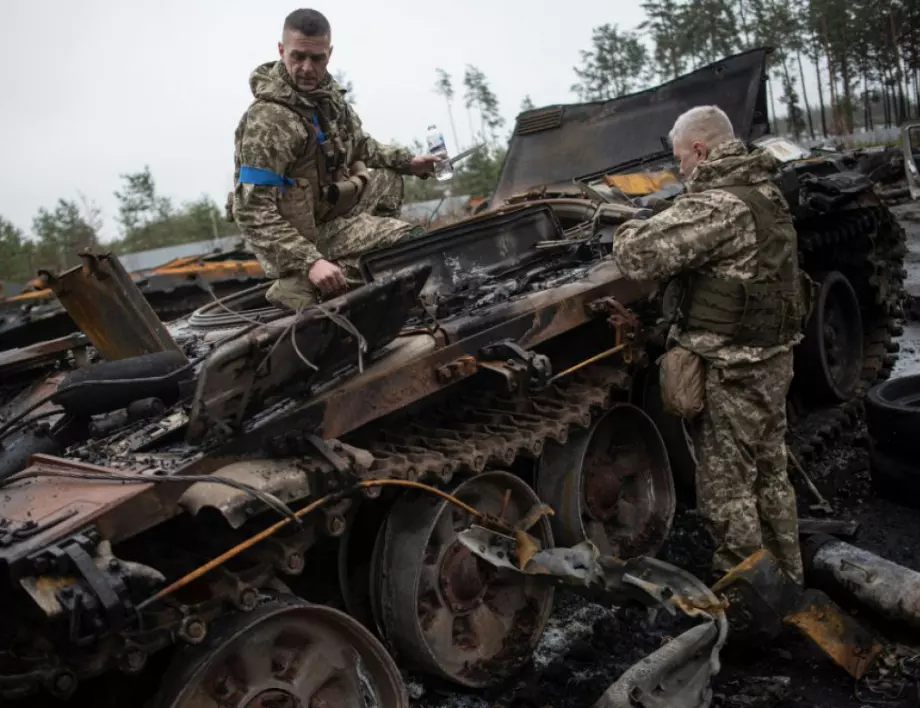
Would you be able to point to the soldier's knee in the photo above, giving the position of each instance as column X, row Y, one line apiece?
column 292, row 292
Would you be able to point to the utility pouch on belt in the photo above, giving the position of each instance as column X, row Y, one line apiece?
column 683, row 382
column 343, row 195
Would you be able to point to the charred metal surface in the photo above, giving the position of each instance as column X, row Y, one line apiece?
column 468, row 253
column 16, row 361
column 522, row 306
column 677, row 675
column 106, row 304
column 287, row 480
column 443, row 609
column 285, row 653
column 238, row 376
column 593, row 138
column 387, row 387
column 762, row 600
column 611, row 484
column 173, row 289
column 72, row 504
column 885, row 587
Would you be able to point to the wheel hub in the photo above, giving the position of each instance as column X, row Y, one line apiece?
column 611, row 484
column 464, row 578
column 445, row 611
column 285, row 653
column 603, row 487
column 274, row 698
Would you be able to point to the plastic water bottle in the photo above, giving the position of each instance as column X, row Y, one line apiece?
column 436, row 146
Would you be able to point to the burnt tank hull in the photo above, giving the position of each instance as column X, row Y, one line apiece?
column 196, row 523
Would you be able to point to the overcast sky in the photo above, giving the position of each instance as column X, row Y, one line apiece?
column 95, row 88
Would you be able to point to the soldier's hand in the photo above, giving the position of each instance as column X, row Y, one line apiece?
column 328, row 277
column 423, row 165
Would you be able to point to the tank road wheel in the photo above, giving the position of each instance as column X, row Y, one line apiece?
column 286, row 653
column 444, row 610
column 611, row 484
column 357, row 550
column 829, row 360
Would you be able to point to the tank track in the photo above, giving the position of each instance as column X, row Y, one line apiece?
column 481, row 429
column 868, row 245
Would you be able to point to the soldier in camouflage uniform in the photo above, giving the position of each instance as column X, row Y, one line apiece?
column 313, row 190
column 731, row 242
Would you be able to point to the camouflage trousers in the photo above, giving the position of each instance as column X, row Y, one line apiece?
column 369, row 224
column 743, row 490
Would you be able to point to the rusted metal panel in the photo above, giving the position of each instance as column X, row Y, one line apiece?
column 641, row 183
column 762, row 601
column 282, row 478
column 595, row 138
column 408, row 373
column 106, row 304
column 850, row 646
column 17, row 360
column 535, row 319
column 58, row 506
column 118, row 510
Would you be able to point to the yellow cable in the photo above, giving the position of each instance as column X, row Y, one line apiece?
column 596, row 357
column 312, row 506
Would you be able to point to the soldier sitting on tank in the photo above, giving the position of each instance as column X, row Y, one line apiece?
column 731, row 242
column 313, row 190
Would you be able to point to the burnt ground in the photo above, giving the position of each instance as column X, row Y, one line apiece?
column 587, row 646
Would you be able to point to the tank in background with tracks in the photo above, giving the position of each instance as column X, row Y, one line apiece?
column 174, row 289
column 502, row 361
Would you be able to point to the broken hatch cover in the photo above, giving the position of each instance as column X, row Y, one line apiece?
column 560, row 143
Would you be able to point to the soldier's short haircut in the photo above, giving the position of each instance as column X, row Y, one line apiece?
column 310, row 23
column 707, row 124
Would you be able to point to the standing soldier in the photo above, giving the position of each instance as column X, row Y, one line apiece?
column 731, row 241
column 305, row 199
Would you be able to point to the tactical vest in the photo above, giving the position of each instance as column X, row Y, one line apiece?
column 766, row 311
column 323, row 184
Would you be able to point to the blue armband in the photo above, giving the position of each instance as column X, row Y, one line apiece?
column 265, row 178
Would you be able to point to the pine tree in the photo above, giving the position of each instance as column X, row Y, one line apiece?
column 444, row 87
column 617, row 64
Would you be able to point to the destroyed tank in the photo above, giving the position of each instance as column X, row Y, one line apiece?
column 254, row 507
column 174, row 289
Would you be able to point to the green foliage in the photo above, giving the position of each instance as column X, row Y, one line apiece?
column 149, row 220
column 858, row 48
column 61, row 234
column 617, row 64
column 479, row 95
column 15, row 253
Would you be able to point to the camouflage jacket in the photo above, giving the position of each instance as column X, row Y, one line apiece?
column 281, row 133
column 707, row 230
